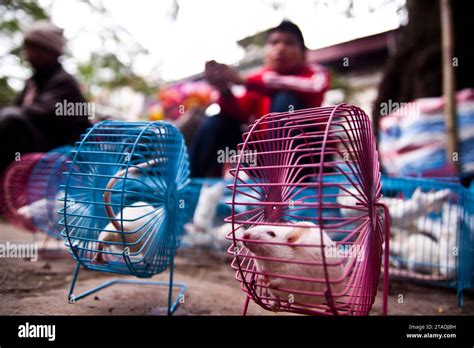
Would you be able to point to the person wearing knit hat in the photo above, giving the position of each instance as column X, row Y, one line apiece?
column 43, row 43
column 46, row 35
column 32, row 124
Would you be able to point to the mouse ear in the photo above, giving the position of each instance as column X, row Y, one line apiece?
column 294, row 235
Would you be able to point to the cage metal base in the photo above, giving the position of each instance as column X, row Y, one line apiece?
column 172, row 305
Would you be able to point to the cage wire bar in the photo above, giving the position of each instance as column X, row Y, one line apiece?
column 303, row 161
column 13, row 193
column 432, row 238
column 123, row 209
column 43, row 191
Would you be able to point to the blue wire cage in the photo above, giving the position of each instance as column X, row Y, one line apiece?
column 432, row 242
column 124, row 197
column 44, row 189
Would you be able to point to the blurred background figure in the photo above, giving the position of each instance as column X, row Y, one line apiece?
column 285, row 83
column 32, row 123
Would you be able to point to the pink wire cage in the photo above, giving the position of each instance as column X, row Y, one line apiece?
column 13, row 192
column 293, row 250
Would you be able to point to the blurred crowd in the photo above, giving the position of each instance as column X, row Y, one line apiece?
column 285, row 82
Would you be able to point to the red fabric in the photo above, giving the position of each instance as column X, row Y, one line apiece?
column 309, row 84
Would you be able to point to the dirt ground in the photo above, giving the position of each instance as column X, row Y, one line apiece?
column 41, row 288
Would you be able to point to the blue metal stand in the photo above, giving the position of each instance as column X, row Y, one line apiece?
column 172, row 305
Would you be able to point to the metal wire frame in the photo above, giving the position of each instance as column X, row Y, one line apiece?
column 13, row 193
column 142, row 167
column 304, row 160
column 43, row 189
column 455, row 216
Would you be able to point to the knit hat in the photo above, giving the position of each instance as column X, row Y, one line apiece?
column 46, row 35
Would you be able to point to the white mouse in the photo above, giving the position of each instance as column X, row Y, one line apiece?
column 427, row 256
column 40, row 207
column 206, row 207
column 403, row 212
column 299, row 233
column 348, row 202
column 29, row 210
column 436, row 252
column 448, row 224
column 216, row 238
column 135, row 218
column 421, row 253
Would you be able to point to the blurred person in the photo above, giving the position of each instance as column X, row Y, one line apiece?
column 286, row 81
column 33, row 124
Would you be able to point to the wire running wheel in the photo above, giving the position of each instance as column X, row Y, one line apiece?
column 123, row 205
column 293, row 249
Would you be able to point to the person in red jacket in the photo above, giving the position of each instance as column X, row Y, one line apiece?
column 286, row 82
